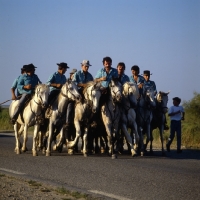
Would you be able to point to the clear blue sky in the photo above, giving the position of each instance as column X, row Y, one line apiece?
column 162, row 36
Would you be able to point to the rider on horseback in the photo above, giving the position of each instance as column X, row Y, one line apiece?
column 136, row 78
column 123, row 78
column 147, row 84
column 14, row 85
column 26, row 86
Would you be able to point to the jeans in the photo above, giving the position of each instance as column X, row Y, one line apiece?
column 175, row 126
column 20, row 106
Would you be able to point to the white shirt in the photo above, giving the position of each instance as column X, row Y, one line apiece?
column 177, row 116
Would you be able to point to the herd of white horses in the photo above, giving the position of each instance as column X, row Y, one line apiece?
column 121, row 117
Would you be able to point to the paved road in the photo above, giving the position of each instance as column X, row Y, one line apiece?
column 176, row 176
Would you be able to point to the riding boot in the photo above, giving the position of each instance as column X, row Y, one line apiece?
column 69, row 114
column 19, row 108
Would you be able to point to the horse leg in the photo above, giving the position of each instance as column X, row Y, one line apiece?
column 161, row 139
column 51, row 130
column 24, row 148
column 17, row 138
column 35, row 137
column 151, row 141
column 135, row 135
column 141, row 143
column 71, row 144
column 85, row 141
column 59, row 145
column 128, row 139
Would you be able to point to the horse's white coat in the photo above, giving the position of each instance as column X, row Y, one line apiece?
column 128, row 115
column 69, row 91
column 83, row 111
column 31, row 113
column 110, row 112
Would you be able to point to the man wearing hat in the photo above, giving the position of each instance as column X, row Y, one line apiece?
column 147, row 82
column 14, row 85
column 56, row 81
column 26, row 86
column 83, row 76
column 136, row 78
column 176, row 114
column 71, row 74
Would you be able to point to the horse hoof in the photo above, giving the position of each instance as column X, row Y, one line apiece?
column 18, row 152
column 133, row 153
column 114, row 156
column 48, row 154
column 54, row 147
column 43, row 151
column 85, row 155
column 142, row 153
column 70, row 151
column 35, row 154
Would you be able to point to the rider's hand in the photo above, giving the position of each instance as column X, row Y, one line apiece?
column 28, row 87
column 103, row 78
column 14, row 97
column 140, row 85
column 58, row 85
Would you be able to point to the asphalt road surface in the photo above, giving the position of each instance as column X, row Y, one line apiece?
column 174, row 176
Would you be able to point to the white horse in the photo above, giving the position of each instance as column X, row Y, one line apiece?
column 159, row 117
column 110, row 112
column 128, row 115
column 69, row 92
column 144, row 115
column 83, row 111
column 31, row 116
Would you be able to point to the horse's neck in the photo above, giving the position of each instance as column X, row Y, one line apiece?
column 126, row 102
column 62, row 103
column 34, row 105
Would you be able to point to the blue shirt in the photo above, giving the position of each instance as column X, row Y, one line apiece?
column 14, row 85
column 81, row 77
column 123, row 79
column 25, row 79
column 140, row 79
column 56, row 78
column 112, row 74
column 148, row 84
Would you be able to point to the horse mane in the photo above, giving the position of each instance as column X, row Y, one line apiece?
column 132, row 85
column 90, row 83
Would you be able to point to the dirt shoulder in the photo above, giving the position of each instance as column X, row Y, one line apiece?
column 20, row 189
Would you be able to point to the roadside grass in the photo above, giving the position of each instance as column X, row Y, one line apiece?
column 66, row 194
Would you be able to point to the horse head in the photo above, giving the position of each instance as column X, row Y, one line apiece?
column 162, row 100
column 115, row 90
column 92, row 93
column 41, row 95
column 131, row 92
column 70, row 90
column 148, row 94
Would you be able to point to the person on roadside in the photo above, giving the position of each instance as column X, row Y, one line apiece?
column 176, row 114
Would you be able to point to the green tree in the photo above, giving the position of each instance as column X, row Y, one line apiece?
column 191, row 125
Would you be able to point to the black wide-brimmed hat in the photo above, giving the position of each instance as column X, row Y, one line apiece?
column 147, row 72
column 177, row 99
column 63, row 65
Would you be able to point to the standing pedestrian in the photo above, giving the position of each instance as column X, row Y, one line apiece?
column 176, row 114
